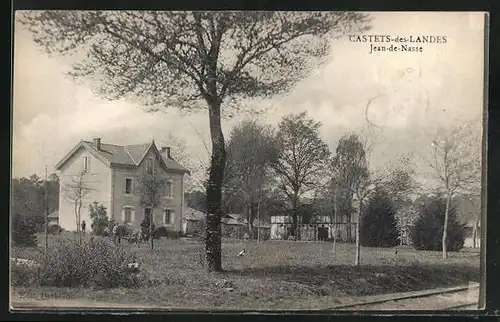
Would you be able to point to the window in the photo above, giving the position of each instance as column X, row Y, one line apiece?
column 127, row 215
column 169, row 189
column 128, row 186
column 149, row 166
column 168, row 217
column 86, row 164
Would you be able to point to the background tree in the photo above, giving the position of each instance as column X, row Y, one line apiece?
column 455, row 161
column 98, row 215
column 398, row 180
column 350, row 174
column 152, row 189
column 23, row 231
column 28, row 197
column 301, row 161
column 250, row 152
column 76, row 192
column 184, row 58
column 180, row 153
column 379, row 228
column 427, row 230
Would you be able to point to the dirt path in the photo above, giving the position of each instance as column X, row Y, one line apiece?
column 432, row 302
column 464, row 299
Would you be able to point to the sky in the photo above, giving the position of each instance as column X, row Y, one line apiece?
column 413, row 94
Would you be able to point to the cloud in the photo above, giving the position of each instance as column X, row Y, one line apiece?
column 415, row 93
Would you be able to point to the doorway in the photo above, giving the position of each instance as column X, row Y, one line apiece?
column 322, row 233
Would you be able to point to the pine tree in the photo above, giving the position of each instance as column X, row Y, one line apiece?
column 379, row 227
column 428, row 229
column 23, row 231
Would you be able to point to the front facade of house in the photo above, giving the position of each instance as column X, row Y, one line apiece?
column 318, row 227
column 111, row 175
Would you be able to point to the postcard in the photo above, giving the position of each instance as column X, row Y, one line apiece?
column 248, row 161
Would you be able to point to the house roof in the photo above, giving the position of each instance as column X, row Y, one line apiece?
column 55, row 214
column 193, row 214
column 239, row 219
column 129, row 155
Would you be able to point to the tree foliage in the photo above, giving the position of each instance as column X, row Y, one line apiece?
column 23, row 231
column 98, row 215
column 378, row 228
column 179, row 59
column 28, row 196
column 250, row 152
column 427, row 230
column 301, row 161
column 456, row 165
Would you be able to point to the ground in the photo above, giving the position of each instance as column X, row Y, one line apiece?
column 272, row 275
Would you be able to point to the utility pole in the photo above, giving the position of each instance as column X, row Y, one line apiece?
column 46, row 210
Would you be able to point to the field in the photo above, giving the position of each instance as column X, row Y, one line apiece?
column 272, row 275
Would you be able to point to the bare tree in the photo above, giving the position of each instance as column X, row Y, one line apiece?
column 350, row 173
column 152, row 189
column 302, row 156
column 455, row 162
column 184, row 58
column 181, row 154
column 76, row 192
column 251, row 150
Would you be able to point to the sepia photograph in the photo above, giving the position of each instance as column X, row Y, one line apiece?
column 269, row 161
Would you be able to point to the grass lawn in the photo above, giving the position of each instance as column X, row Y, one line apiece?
column 273, row 275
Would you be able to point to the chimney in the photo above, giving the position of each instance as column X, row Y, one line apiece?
column 97, row 144
column 166, row 152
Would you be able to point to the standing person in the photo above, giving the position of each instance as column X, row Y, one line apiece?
column 115, row 233
column 83, row 226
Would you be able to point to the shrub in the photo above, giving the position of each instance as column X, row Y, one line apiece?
column 54, row 229
column 427, row 232
column 160, row 232
column 23, row 275
column 99, row 217
column 97, row 263
column 23, row 231
column 378, row 226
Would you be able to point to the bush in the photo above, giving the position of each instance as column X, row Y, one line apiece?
column 427, row 232
column 99, row 217
column 97, row 264
column 23, row 231
column 23, row 275
column 160, row 232
column 54, row 229
column 378, row 226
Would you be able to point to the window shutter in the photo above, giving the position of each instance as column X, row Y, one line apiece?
column 132, row 215
column 123, row 214
column 88, row 164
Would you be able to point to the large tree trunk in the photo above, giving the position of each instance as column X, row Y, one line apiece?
column 445, row 226
column 214, row 190
column 358, row 230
